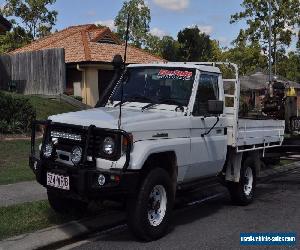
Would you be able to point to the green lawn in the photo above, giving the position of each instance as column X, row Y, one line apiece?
column 46, row 107
column 14, row 161
column 14, row 154
column 28, row 217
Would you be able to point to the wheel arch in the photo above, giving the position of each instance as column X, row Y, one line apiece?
column 255, row 157
column 166, row 160
column 234, row 161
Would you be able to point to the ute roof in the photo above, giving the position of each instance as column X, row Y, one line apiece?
column 188, row 65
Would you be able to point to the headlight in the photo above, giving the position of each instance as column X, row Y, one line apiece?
column 76, row 155
column 108, row 146
column 48, row 150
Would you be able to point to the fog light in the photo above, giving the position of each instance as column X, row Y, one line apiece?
column 76, row 155
column 48, row 150
column 101, row 179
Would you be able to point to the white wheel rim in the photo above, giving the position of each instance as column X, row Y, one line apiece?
column 248, row 181
column 157, row 205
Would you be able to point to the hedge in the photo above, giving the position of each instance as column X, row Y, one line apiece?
column 16, row 114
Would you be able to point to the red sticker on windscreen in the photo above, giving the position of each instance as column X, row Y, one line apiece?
column 175, row 74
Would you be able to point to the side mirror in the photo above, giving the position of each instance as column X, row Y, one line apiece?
column 215, row 107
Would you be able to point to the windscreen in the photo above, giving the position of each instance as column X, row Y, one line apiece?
column 157, row 85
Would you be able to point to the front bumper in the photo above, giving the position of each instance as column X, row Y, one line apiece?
column 84, row 182
column 83, row 178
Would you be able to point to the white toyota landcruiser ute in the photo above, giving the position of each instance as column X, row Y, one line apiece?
column 166, row 127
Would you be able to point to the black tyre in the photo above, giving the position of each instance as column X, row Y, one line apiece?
column 149, row 213
column 242, row 193
column 63, row 205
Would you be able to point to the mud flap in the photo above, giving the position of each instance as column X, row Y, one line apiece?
column 233, row 165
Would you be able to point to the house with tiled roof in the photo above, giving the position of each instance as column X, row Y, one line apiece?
column 4, row 25
column 255, row 86
column 89, row 52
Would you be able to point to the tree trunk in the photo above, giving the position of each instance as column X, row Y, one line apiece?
column 274, row 53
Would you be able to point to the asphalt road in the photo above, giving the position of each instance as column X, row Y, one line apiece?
column 216, row 223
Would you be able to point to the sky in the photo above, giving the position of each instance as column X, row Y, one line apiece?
column 168, row 16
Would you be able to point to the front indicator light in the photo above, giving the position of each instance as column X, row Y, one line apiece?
column 126, row 142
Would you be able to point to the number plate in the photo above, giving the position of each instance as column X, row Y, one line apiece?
column 58, row 181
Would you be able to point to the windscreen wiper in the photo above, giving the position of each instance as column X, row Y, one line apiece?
column 172, row 102
column 135, row 98
column 149, row 105
column 165, row 101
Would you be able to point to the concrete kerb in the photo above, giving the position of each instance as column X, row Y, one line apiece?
column 62, row 233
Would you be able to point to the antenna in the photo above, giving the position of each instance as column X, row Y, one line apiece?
column 125, row 58
column 126, row 38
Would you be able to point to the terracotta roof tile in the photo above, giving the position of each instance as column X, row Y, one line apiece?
column 80, row 44
column 94, row 34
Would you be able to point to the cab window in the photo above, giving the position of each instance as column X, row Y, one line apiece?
column 208, row 89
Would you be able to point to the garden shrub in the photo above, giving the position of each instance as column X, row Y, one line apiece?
column 78, row 98
column 16, row 114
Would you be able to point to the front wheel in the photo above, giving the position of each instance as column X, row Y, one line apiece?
column 242, row 193
column 149, row 213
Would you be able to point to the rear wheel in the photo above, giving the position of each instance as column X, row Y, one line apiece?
column 63, row 205
column 149, row 213
column 242, row 193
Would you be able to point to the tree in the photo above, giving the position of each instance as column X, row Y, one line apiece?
column 139, row 22
column 165, row 47
column 36, row 19
column 153, row 44
column 298, row 43
column 194, row 45
column 202, row 48
column 15, row 39
column 170, row 49
column 248, row 57
column 285, row 18
column 289, row 66
column 216, row 51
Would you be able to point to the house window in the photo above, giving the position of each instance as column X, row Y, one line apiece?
column 208, row 89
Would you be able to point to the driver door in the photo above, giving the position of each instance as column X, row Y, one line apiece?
column 208, row 152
